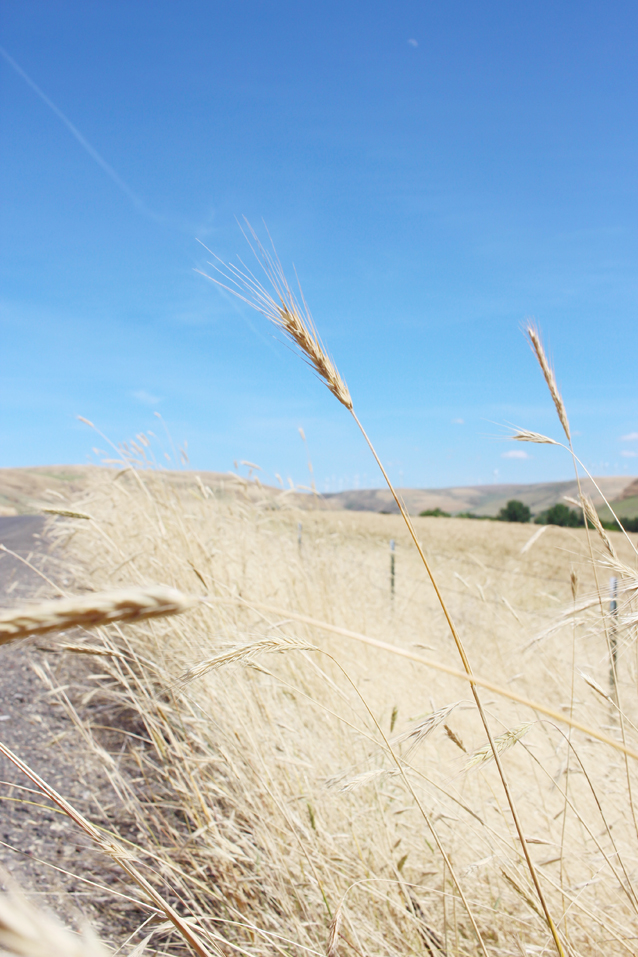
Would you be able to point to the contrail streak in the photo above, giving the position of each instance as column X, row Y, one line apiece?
column 84, row 143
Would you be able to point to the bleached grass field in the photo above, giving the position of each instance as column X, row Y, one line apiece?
column 290, row 784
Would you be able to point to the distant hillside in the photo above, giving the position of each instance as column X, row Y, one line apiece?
column 626, row 504
column 480, row 499
column 27, row 489
column 20, row 489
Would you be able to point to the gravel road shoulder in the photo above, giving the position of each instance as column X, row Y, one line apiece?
column 40, row 847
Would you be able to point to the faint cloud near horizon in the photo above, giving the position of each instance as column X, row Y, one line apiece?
column 631, row 437
column 516, row 454
column 146, row 397
column 628, row 454
column 413, row 42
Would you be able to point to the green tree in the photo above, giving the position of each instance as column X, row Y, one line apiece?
column 514, row 511
column 434, row 512
column 560, row 514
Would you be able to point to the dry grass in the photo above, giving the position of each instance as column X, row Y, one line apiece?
column 270, row 788
column 26, row 931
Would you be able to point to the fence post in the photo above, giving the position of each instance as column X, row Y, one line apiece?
column 392, row 568
column 613, row 634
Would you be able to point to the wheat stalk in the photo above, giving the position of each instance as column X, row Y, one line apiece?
column 536, row 343
column 88, row 611
column 285, row 312
column 299, row 328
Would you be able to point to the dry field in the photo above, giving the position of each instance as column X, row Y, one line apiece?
column 291, row 790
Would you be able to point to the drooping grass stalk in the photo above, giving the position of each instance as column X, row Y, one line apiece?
column 479, row 680
column 292, row 317
column 56, row 588
column 589, row 515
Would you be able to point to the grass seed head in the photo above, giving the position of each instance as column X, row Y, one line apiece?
column 333, row 936
column 594, row 685
column 502, row 743
column 346, row 785
column 88, row 611
column 66, row 513
column 573, row 581
column 535, row 340
column 524, row 435
column 423, row 729
column 281, row 307
column 453, row 736
column 591, row 513
column 244, row 654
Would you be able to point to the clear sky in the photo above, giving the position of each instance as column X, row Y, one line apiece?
column 435, row 172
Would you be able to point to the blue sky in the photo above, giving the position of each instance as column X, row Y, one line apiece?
column 435, row 172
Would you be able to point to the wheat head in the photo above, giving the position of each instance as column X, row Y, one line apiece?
column 284, row 310
column 103, row 608
column 535, row 341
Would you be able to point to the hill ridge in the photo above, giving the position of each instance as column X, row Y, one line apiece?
column 24, row 489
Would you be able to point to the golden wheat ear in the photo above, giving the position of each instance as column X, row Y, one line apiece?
column 281, row 307
column 536, row 343
column 102, row 608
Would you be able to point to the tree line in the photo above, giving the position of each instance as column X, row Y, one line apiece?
column 516, row 511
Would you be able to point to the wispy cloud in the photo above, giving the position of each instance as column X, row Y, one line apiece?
column 146, row 397
column 631, row 437
column 628, row 454
column 516, row 454
column 413, row 42
column 84, row 143
column 458, row 421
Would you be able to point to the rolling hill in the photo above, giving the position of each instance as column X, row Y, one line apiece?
column 25, row 489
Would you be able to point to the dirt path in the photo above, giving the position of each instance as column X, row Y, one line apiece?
column 42, row 850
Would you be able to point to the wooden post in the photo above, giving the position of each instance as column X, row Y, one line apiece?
column 392, row 568
column 613, row 634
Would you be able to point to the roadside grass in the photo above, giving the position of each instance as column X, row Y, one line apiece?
column 280, row 787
